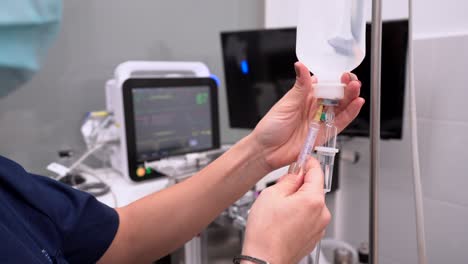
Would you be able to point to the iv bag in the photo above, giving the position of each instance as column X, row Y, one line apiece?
column 331, row 37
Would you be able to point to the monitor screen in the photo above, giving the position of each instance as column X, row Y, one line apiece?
column 170, row 122
column 166, row 117
column 259, row 70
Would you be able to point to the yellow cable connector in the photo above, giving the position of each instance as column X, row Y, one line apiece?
column 99, row 114
column 318, row 114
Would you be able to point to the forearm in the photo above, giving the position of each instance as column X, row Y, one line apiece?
column 162, row 222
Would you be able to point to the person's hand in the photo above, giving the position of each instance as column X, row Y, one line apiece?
column 288, row 219
column 282, row 132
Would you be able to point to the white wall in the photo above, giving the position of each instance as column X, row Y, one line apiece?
column 45, row 115
column 431, row 17
column 443, row 122
column 441, row 60
column 281, row 13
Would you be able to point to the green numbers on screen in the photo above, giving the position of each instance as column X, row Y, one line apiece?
column 202, row 98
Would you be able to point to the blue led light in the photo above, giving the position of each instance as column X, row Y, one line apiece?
column 216, row 79
column 245, row 67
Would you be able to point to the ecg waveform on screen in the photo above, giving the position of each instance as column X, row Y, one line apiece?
column 144, row 97
column 172, row 121
column 179, row 109
column 162, row 120
column 152, row 120
column 177, row 100
column 167, row 143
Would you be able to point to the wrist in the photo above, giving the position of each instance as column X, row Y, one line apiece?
column 257, row 154
column 256, row 252
column 250, row 262
column 246, row 259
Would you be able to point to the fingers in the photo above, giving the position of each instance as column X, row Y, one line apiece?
column 351, row 104
column 351, row 92
column 289, row 184
column 345, row 117
column 313, row 179
column 325, row 217
column 346, row 78
column 295, row 180
column 352, row 89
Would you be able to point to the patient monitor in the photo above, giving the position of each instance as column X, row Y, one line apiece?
column 162, row 109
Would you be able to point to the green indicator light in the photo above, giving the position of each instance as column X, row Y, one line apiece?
column 202, row 98
column 149, row 171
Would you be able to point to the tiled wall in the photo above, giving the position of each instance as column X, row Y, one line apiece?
column 441, row 66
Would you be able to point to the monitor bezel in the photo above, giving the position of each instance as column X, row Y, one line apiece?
column 396, row 134
column 165, row 83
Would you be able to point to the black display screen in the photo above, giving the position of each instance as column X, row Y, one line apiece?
column 166, row 117
column 259, row 70
column 171, row 121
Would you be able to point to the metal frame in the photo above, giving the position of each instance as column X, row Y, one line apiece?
column 376, row 64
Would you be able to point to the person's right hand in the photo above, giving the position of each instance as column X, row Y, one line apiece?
column 288, row 219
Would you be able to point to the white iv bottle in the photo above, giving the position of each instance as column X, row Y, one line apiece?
column 330, row 41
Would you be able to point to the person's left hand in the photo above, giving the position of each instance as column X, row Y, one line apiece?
column 282, row 132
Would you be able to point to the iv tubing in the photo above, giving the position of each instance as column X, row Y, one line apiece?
column 317, row 253
column 376, row 66
column 330, row 142
column 418, row 195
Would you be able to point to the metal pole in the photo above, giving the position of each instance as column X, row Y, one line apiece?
column 376, row 56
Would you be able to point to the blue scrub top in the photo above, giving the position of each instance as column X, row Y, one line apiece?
column 44, row 221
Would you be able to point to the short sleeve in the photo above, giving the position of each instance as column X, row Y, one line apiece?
column 88, row 226
column 85, row 227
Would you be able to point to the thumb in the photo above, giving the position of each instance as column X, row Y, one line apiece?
column 302, row 89
column 289, row 184
column 304, row 80
column 313, row 179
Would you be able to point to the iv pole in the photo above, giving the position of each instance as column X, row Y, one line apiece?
column 376, row 56
column 375, row 139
